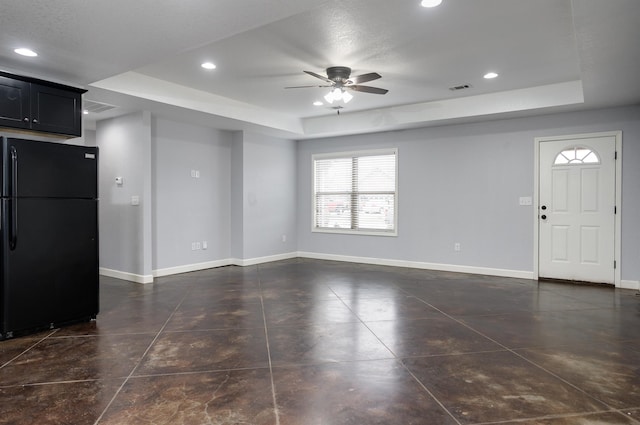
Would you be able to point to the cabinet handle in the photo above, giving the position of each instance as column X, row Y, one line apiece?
column 26, row 119
column 35, row 120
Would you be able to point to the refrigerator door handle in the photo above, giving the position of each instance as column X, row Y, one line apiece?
column 13, row 211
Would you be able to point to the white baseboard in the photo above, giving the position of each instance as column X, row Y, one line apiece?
column 138, row 278
column 267, row 259
column 519, row 274
column 192, row 267
column 195, row 267
column 630, row 284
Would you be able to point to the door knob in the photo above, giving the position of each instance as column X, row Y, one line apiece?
column 544, row 207
column 544, row 217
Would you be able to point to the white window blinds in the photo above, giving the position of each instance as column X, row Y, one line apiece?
column 356, row 192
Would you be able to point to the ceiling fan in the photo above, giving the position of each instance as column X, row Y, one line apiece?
column 339, row 80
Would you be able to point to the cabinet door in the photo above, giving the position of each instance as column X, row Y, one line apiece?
column 56, row 111
column 14, row 103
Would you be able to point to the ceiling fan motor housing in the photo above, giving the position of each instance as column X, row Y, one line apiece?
column 339, row 74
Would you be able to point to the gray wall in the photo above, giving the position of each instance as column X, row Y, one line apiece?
column 242, row 203
column 125, row 230
column 237, row 196
column 458, row 183
column 462, row 183
column 89, row 137
column 265, row 178
column 188, row 209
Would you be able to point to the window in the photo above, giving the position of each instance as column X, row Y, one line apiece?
column 576, row 155
column 355, row 192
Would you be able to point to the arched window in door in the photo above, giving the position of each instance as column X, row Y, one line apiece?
column 577, row 155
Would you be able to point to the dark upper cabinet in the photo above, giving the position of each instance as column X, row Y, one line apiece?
column 14, row 103
column 55, row 110
column 36, row 105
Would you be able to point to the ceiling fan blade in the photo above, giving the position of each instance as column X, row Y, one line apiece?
column 304, row 87
column 367, row 89
column 322, row 77
column 364, row 78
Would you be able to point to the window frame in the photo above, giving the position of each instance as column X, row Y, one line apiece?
column 346, row 155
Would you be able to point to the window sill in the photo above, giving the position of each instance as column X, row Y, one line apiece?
column 356, row 232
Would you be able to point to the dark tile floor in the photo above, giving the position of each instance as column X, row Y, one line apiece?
column 305, row 342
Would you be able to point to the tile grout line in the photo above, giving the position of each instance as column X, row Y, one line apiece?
column 502, row 348
column 398, row 359
column 97, row 421
column 31, row 347
column 276, row 410
column 404, row 366
column 561, row 416
column 429, row 392
column 521, row 356
column 610, row 408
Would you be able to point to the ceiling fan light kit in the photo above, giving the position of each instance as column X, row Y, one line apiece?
column 329, row 97
column 338, row 94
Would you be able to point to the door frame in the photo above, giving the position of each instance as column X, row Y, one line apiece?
column 618, row 197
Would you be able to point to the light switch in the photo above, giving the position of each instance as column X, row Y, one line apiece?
column 135, row 200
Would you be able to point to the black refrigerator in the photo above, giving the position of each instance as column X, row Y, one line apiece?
column 49, row 235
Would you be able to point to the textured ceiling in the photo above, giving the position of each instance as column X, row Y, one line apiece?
column 419, row 52
column 550, row 54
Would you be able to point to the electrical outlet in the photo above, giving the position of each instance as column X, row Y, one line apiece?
column 456, row 246
column 204, row 245
column 284, row 238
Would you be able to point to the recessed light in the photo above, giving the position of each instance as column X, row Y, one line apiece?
column 26, row 52
column 317, row 103
column 430, row 3
column 490, row 75
column 208, row 65
column 86, row 112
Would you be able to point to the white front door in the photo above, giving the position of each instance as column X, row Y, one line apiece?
column 576, row 209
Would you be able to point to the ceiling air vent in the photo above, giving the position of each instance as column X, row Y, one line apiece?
column 460, row 87
column 96, row 107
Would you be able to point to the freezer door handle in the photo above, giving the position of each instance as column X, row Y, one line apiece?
column 13, row 211
column 13, row 229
